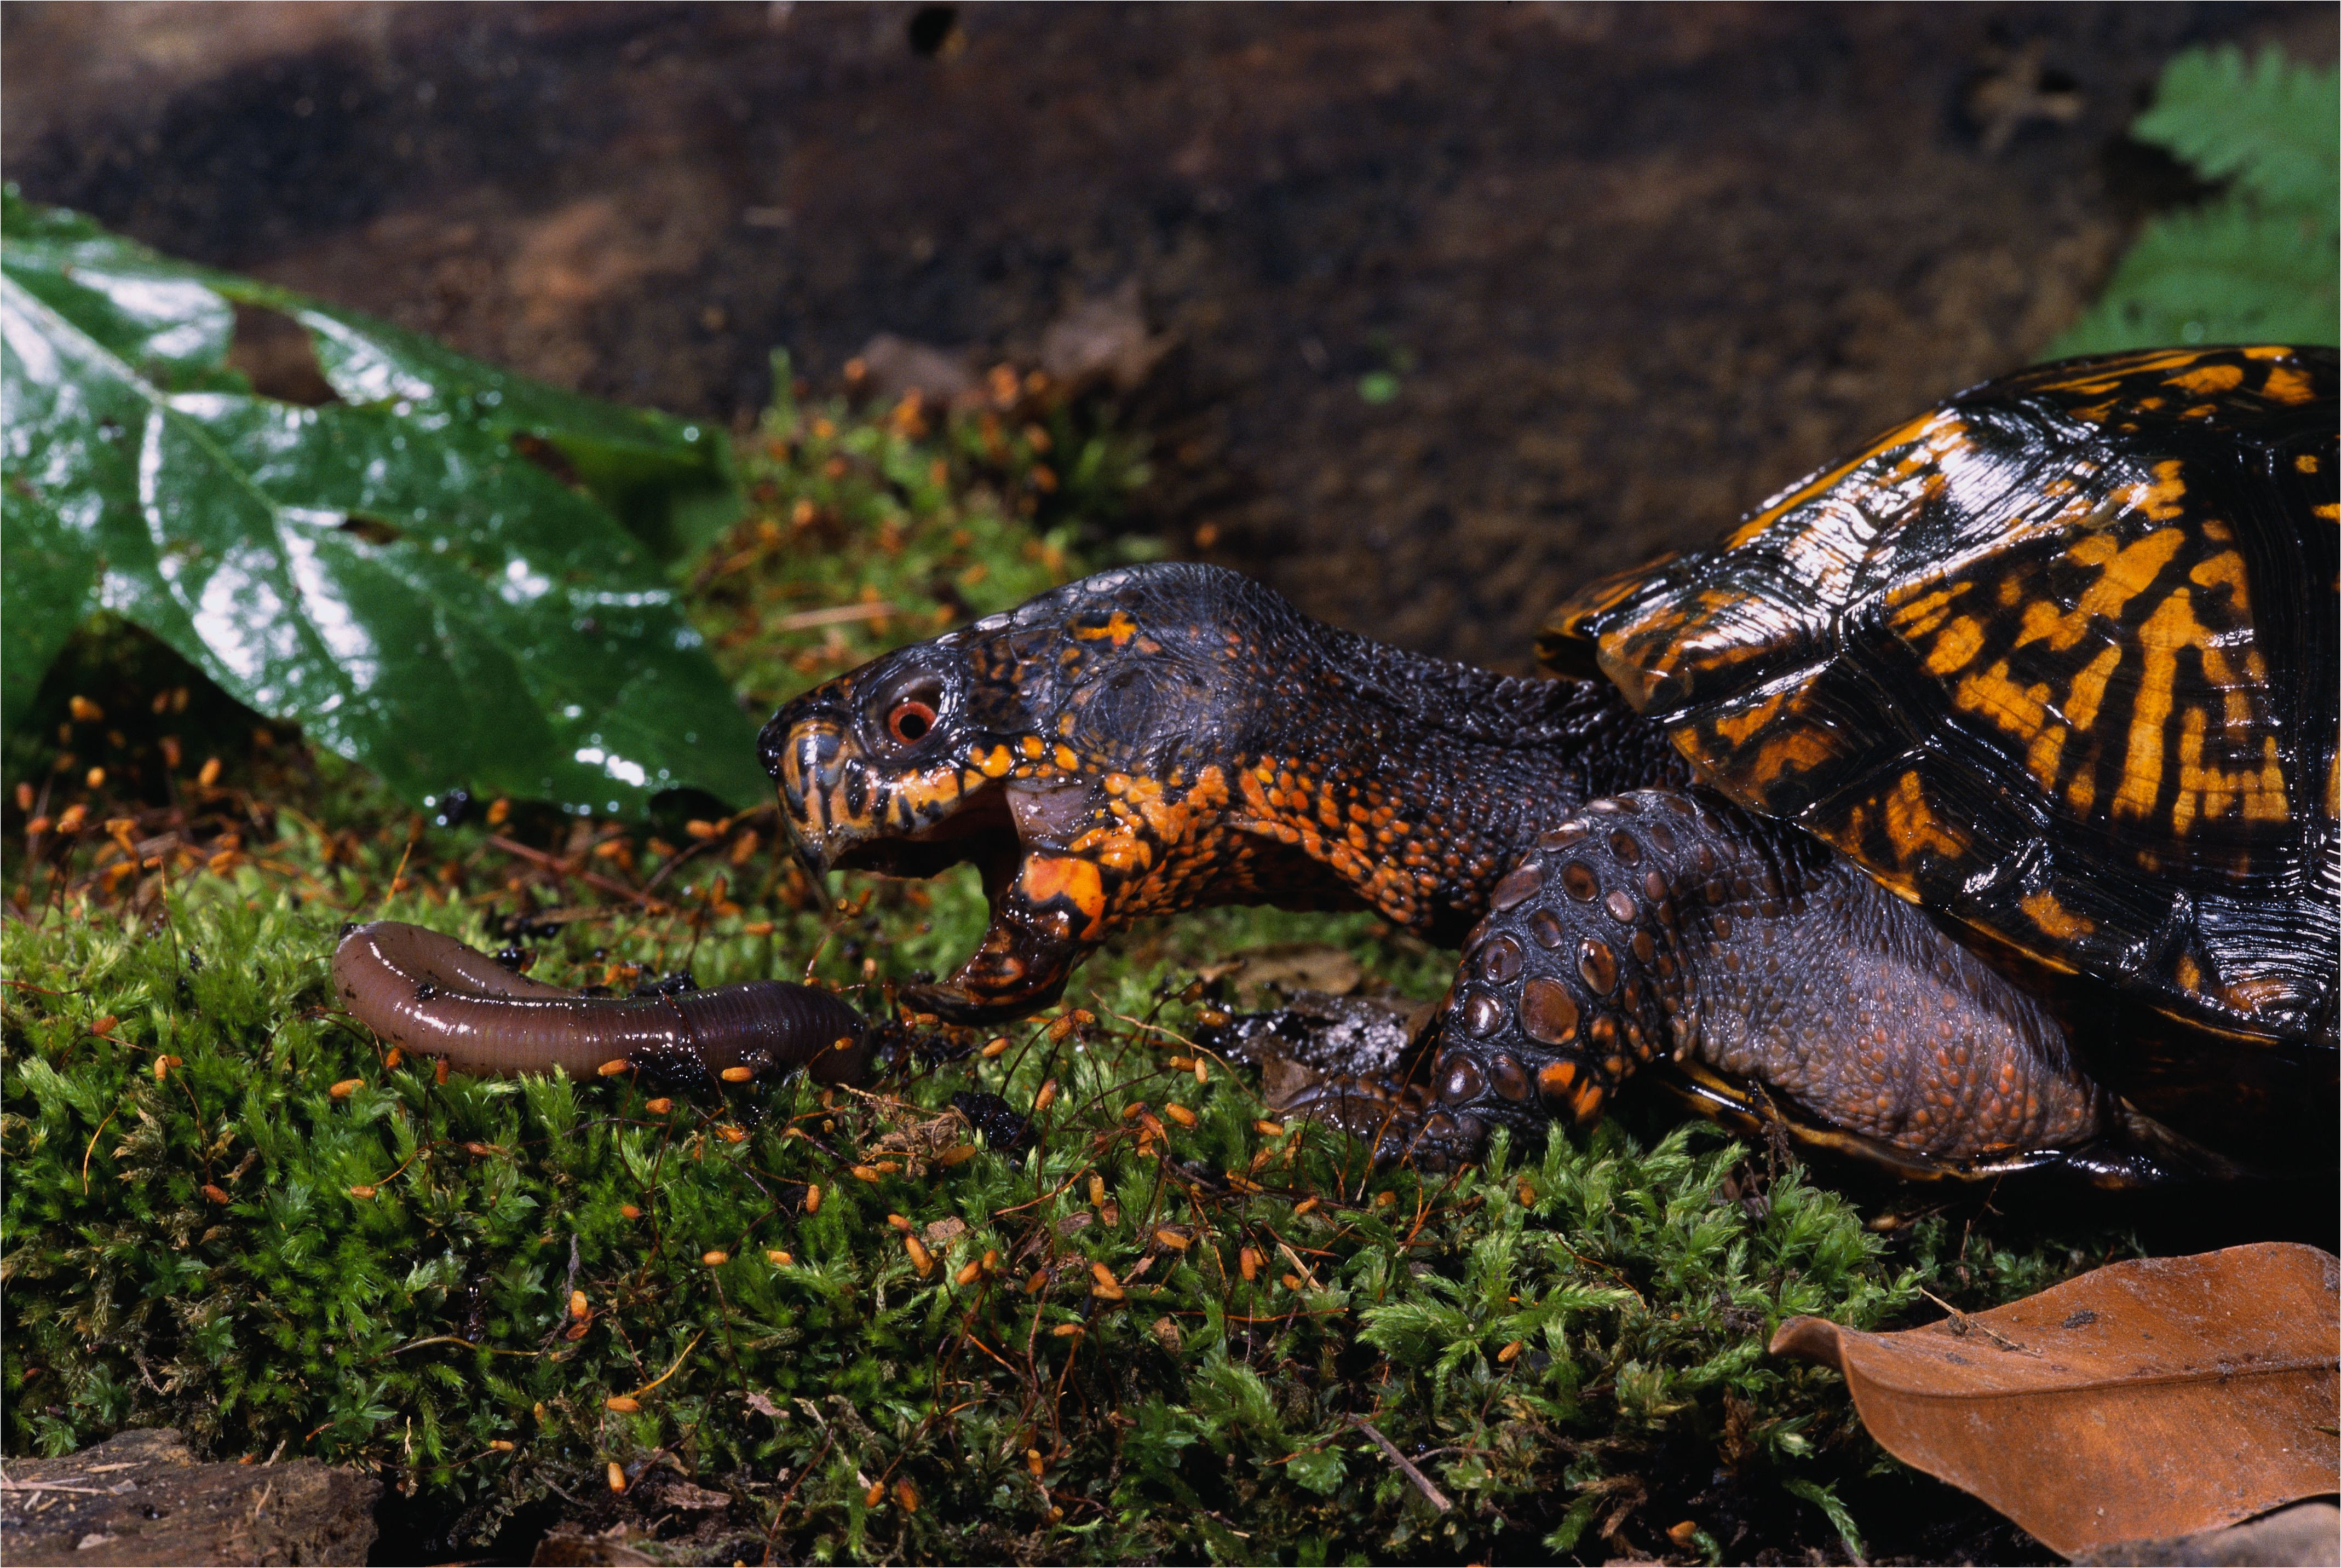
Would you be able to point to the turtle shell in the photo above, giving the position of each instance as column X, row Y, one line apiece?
column 2056, row 659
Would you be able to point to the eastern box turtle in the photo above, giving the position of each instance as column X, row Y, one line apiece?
column 1970, row 808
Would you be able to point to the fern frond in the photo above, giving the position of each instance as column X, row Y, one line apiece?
column 2273, row 127
column 2226, row 273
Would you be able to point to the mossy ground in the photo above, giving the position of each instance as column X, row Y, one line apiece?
column 1161, row 1329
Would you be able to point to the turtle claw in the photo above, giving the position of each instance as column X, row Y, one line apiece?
column 1402, row 1122
column 1297, row 1048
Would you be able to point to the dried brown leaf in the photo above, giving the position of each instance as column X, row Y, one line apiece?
column 2155, row 1397
column 1299, row 966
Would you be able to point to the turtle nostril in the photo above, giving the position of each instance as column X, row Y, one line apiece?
column 814, row 755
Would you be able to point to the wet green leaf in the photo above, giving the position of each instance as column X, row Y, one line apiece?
column 389, row 570
column 162, row 317
column 668, row 480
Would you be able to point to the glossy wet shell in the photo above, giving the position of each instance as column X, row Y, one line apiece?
column 2056, row 659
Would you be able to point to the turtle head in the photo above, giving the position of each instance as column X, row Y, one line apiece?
column 1080, row 751
column 1162, row 737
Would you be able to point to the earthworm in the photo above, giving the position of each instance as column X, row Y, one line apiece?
column 429, row 993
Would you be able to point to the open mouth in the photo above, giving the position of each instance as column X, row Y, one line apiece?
column 981, row 831
column 1047, row 900
column 991, row 826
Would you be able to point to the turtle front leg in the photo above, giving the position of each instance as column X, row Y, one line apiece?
column 1773, row 984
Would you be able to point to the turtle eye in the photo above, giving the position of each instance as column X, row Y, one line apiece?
column 911, row 720
column 904, row 710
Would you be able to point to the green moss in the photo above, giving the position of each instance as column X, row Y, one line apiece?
column 227, row 1211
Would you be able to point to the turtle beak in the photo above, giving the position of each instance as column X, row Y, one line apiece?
column 810, row 778
column 846, row 810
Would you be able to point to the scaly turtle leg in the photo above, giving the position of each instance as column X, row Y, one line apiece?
column 1770, row 981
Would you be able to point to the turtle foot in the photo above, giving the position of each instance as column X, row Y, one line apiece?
column 1403, row 1122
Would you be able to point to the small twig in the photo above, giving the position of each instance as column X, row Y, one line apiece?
column 671, row 1371
column 828, row 1440
column 391, row 891
column 833, row 615
column 1422, row 1482
column 1961, row 1322
column 92, row 1149
column 6, row 1485
column 560, row 867
column 455, row 1339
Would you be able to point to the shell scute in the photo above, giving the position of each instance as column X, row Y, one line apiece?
column 2056, row 659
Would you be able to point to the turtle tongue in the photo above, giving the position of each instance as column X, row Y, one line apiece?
column 1044, row 922
column 1048, row 911
column 1049, row 814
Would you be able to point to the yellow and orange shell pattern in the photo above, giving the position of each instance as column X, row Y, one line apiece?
column 2057, row 660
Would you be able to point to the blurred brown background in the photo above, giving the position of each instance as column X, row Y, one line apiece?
column 1631, row 267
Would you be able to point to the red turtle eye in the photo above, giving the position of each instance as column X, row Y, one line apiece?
column 910, row 721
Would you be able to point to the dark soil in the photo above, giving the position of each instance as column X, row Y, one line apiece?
column 1627, row 269
column 140, row 1497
